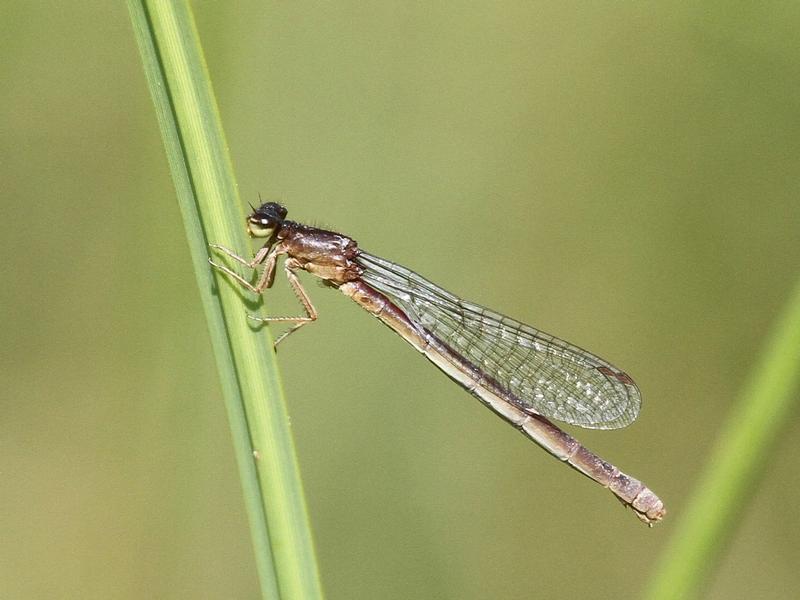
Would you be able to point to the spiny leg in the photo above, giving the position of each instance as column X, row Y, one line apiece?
column 266, row 255
column 290, row 266
column 258, row 258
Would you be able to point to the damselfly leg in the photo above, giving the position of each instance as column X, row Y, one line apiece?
column 264, row 255
column 269, row 257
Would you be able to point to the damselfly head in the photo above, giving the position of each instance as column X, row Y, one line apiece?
column 265, row 219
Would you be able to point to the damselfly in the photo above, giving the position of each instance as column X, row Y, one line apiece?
column 524, row 375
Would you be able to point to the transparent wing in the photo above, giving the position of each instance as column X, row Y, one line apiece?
column 547, row 375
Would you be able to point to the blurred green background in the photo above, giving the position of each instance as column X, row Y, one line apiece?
column 623, row 176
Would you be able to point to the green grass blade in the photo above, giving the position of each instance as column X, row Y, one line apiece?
column 735, row 465
column 206, row 189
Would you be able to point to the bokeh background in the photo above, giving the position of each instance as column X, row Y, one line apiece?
column 621, row 175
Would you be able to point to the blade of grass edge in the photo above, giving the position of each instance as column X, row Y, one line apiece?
column 203, row 175
column 735, row 465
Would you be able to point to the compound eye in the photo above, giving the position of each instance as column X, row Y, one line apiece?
column 266, row 219
column 260, row 227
